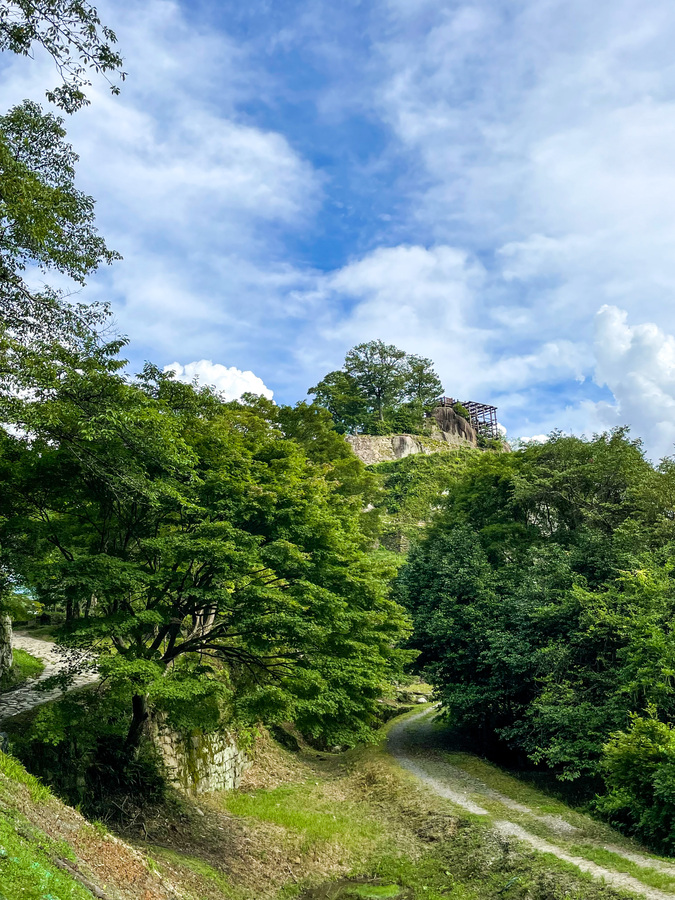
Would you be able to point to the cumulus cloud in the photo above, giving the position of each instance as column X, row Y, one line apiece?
column 429, row 301
column 231, row 382
column 637, row 363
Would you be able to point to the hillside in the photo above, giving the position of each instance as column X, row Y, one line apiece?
column 412, row 488
column 309, row 825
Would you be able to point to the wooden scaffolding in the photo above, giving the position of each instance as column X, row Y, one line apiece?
column 483, row 416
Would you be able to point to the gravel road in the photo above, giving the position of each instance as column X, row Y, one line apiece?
column 415, row 745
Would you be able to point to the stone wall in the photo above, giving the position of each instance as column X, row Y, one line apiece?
column 196, row 762
column 448, row 430
column 6, row 657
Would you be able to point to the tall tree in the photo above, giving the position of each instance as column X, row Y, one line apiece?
column 422, row 384
column 378, row 370
column 190, row 530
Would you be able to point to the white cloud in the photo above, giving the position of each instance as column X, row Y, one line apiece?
column 428, row 301
column 230, row 382
column 192, row 193
column 542, row 138
column 528, row 152
column 637, row 363
column 534, row 439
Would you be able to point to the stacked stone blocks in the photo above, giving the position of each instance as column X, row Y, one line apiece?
column 196, row 762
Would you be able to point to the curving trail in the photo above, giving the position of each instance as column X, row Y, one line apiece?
column 25, row 697
column 417, row 747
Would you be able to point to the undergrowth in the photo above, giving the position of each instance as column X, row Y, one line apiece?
column 25, row 666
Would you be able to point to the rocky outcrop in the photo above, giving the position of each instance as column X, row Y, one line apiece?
column 447, row 430
column 6, row 656
column 199, row 762
column 454, row 428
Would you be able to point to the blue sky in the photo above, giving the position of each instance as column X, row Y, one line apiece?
column 486, row 183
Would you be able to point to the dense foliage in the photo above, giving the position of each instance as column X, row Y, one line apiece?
column 379, row 390
column 412, row 490
column 543, row 598
column 199, row 547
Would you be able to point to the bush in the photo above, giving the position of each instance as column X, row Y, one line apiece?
column 77, row 746
column 639, row 767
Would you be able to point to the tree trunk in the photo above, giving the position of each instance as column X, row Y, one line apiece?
column 139, row 706
column 6, row 659
column 72, row 609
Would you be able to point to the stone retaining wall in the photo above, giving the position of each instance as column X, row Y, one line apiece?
column 196, row 762
column 448, row 430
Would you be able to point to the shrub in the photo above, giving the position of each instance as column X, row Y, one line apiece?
column 639, row 768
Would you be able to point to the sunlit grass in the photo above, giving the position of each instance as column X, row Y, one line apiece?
column 194, row 864
column 25, row 666
column 647, row 875
column 312, row 813
column 13, row 770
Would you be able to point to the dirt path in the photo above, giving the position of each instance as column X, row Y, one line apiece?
column 414, row 743
column 56, row 662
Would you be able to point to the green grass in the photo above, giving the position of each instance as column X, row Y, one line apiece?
column 301, row 809
column 25, row 666
column 27, row 871
column 385, row 891
column 198, row 866
column 652, row 877
column 589, row 829
column 13, row 770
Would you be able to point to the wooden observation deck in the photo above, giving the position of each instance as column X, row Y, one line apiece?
column 483, row 416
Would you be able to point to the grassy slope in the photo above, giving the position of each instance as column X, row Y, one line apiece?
column 49, row 852
column 301, row 825
column 304, row 826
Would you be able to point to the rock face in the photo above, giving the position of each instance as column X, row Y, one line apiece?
column 197, row 763
column 448, row 430
column 6, row 657
column 455, row 428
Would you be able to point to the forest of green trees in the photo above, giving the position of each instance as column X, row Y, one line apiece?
column 221, row 561
column 542, row 600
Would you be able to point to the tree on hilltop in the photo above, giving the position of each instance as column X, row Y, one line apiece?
column 422, row 384
column 378, row 370
column 380, row 389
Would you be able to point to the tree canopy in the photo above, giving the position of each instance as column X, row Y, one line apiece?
column 379, row 389
column 198, row 545
column 73, row 35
